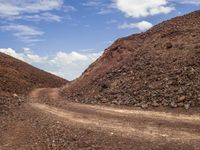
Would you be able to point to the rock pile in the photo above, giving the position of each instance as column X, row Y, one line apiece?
column 160, row 67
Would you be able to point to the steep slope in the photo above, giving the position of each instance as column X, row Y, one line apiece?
column 18, row 78
column 158, row 67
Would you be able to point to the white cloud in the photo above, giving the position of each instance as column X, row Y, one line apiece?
column 11, row 52
column 13, row 8
column 49, row 17
column 25, row 33
column 68, row 58
column 192, row 2
column 33, row 58
column 142, row 26
column 26, row 56
column 143, row 8
column 30, row 10
column 33, row 10
column 71, row 65
column 67, row 65
column 27, row 50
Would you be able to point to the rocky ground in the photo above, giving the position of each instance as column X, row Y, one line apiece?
column 42, row 123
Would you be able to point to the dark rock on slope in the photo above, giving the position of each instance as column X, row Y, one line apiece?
column 154, row 68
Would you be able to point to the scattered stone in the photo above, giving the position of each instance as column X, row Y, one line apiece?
column 173, row 105
column 169, row 45
column 180, row 104
column 155, row 104
column 144, row 106
column 15, row 95
column 187, row 106
column 182, row 99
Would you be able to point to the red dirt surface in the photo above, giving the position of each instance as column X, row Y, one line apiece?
column 159, row 67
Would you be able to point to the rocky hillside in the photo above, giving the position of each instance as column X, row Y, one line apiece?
column 154, row 68
column 18, row 78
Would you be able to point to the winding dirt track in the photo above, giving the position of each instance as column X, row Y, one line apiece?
column 131, row 127
column 127, row 123
column 134, row 128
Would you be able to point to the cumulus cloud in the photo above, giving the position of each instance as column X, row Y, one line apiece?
column 26, row 56
column 67, row 65
column 25, row 33
column 11, row 52
column 33, row 58
column 68, row 58
column 142, row 26
column 71, row 65
column 143, row 8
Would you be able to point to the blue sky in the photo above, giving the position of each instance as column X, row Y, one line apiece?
column 65, row 36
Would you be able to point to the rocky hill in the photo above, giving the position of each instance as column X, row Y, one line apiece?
column 160, row 67
column 18, row 78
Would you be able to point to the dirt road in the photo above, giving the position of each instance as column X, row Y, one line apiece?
column 129, row 123
column 106, row 127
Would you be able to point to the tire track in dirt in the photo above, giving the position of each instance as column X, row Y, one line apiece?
column 121, row 127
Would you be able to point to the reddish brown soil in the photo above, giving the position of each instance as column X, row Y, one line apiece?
column 160, row 67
